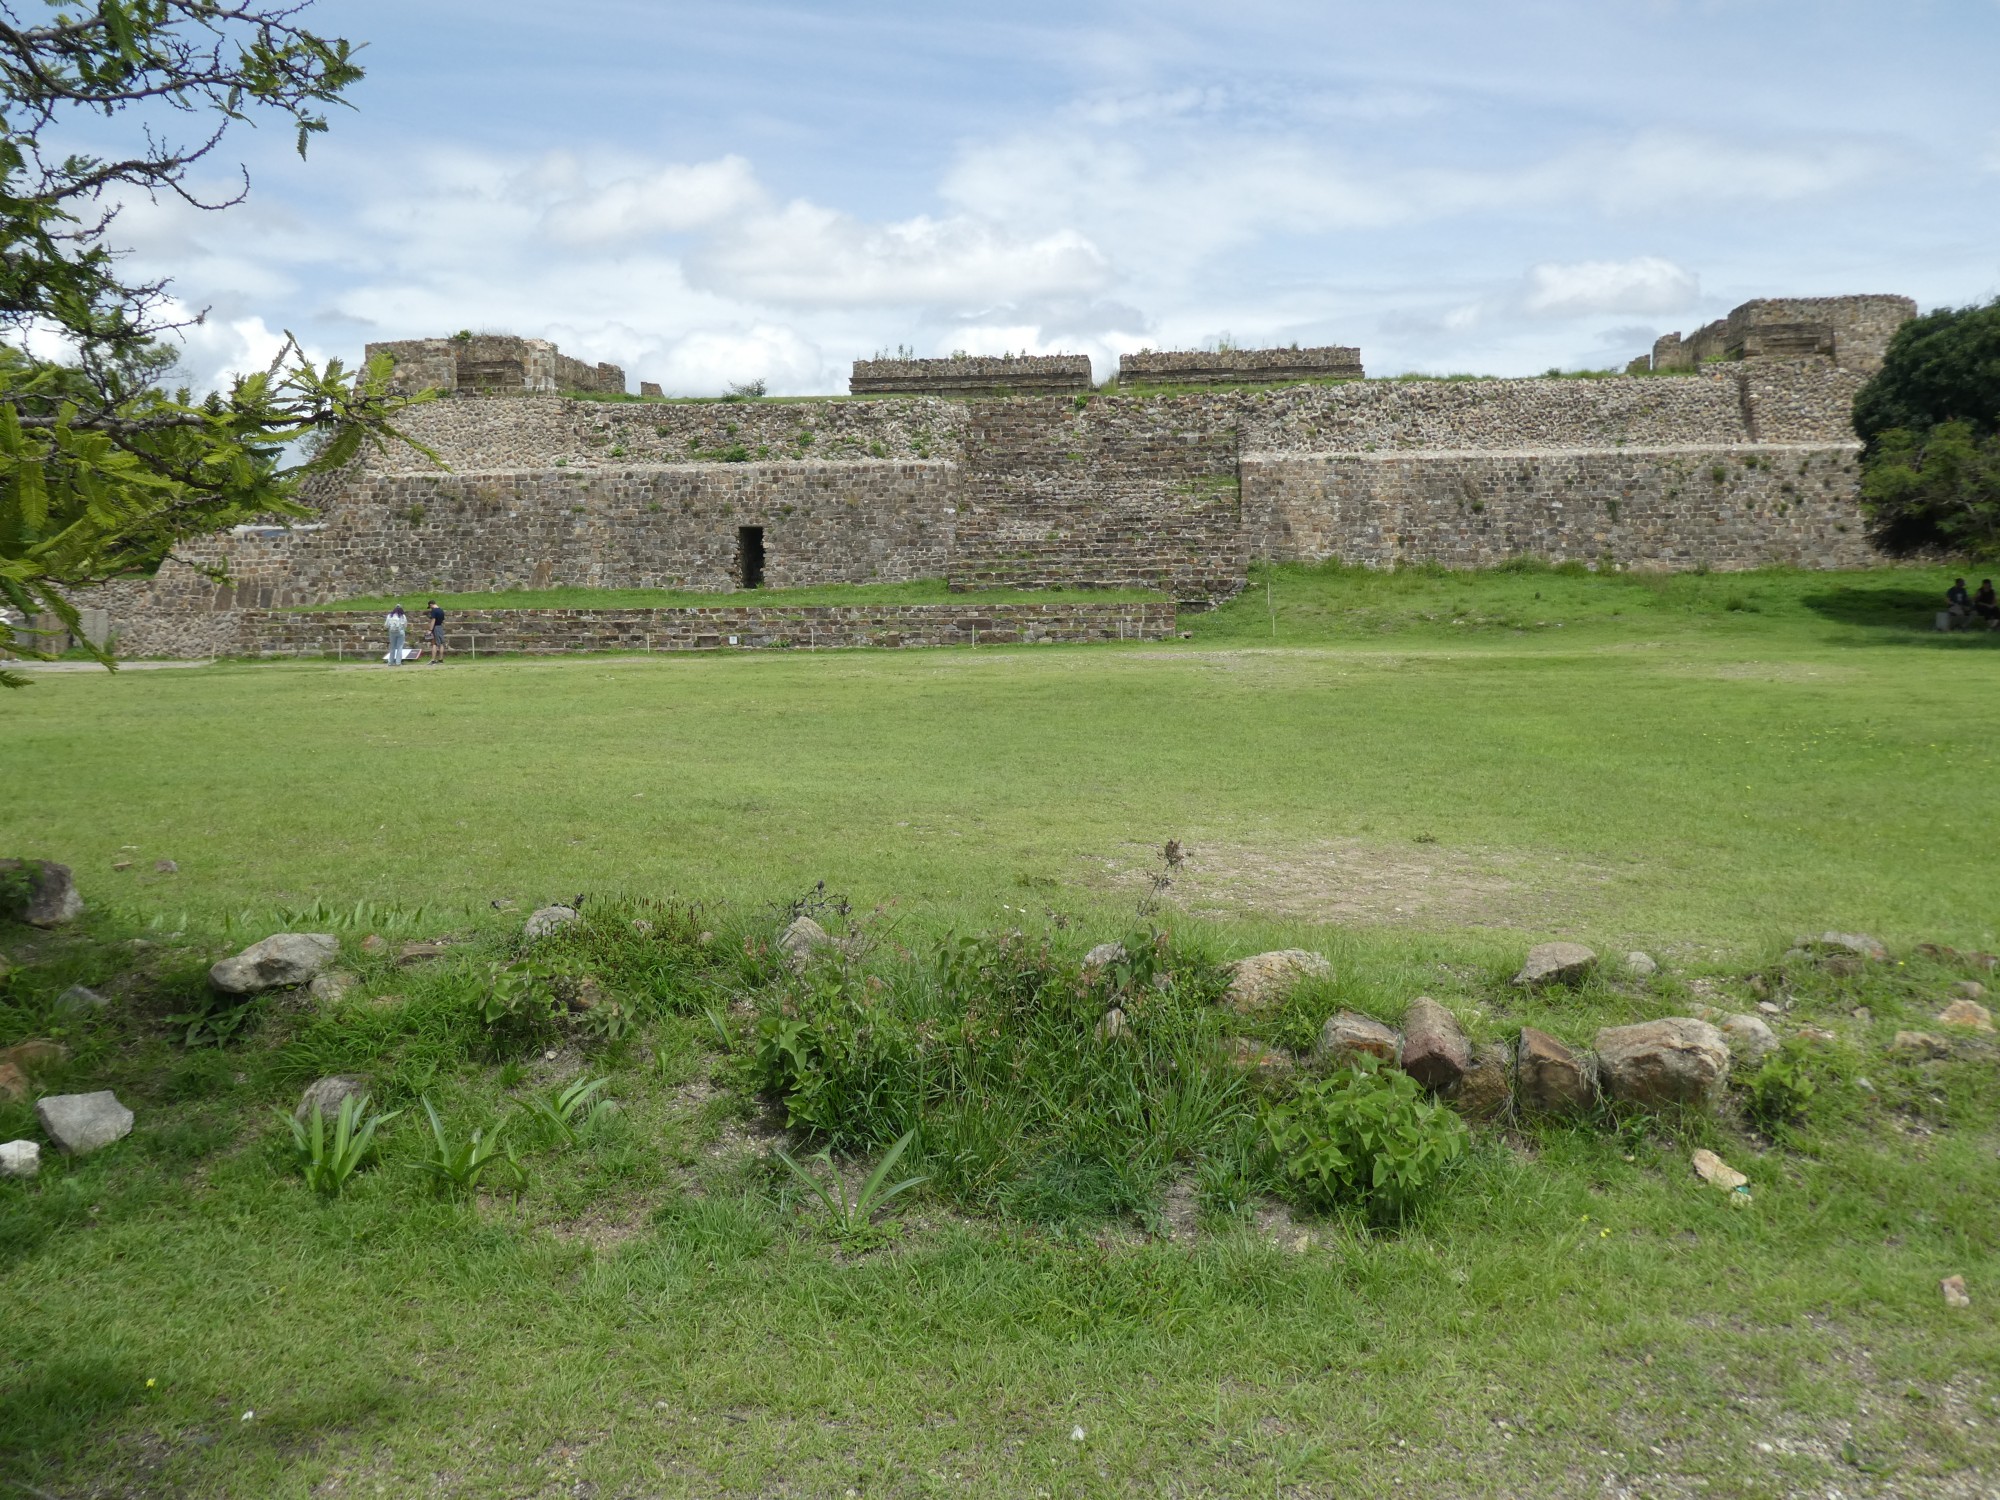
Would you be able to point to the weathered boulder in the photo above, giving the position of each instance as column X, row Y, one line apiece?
column 1435, row 1051
column 1855, row 944
column 165, row 867
column 1967, row 1013
column 547, row 919
column 1556, row 963
column 80, row 1123
column 422, row 951
column 331, row 986
column 1102, row 957
column 279, row 962
column 1487, row 1090
column 1748, row 1038
column 329, row 1094
column 1265, row 979
column 1113, row 1025
column 1641, row 965
column 1657, row 1064
column 14, row 1085
column 20, row 1159
column 1550, row 1079
column 1919, row 1044
column 81, row 1000
column 1348, row 1036
column 35, row 1055
column 50, row 897
column 800, row 941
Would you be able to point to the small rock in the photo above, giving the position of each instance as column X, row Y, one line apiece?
column 51, row 898
column 1641, row 965
column 1678, row 1061
column 422, row 951
column 121, row 864
column 1759, row 986
column 329, row 1094
column 1770, row 1007
column 800, row 941
column 1713, row 1169
column 547, row 919
column 1813, row 1033
column 1750, row 1040
column 165, row 867
column 1859, row 944
column 584, row 993
column 1953, row 1288
column 1265, row 979
column 80, row 1000
column 278, row 962
column 331, row 986
column 1556, row 963
column 1969, row 989
column 1266, row 1064
column 1103, row 956
column 1863, row 1014
column 1551, row 1079
column 374, row 943
column 642, row 927
column 1348, row 1035
column 1969, row 1013
column 1919, row 1044
column 1487, row 1090
column 14, row 1085
column 80, row 1123
column 1112, row 1026
column 20, row 1158
column 1435, row 1051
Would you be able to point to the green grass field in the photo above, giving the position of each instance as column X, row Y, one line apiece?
column 1417, row 774
column 855, row 595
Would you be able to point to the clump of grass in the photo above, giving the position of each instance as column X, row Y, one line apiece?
column 329, row 1162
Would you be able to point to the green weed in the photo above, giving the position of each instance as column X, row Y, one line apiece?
column 328, row 1162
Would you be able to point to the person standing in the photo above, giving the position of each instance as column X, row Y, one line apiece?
column 437, row 632
column 399, row 625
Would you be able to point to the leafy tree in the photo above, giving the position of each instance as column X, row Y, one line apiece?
column 102, row 471
column 1931, row 424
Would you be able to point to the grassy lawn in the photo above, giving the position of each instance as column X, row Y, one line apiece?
column 1417, row 775
column 851, row 595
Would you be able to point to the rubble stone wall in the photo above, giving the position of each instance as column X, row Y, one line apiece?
column 1240, row 366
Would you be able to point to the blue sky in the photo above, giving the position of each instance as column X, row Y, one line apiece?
column 712, row 193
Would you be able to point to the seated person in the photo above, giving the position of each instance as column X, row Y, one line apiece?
column 1985, row 605
column 1957, row 602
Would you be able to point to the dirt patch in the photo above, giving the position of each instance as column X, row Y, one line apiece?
column 1354, row 880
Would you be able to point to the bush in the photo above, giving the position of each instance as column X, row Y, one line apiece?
column 1366, row 1138
column 1781, row 1089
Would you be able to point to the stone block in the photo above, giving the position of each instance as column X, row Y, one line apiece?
column 1487, row 1090
column 1556, row 963
column 1348, row 1036
column 280, row 961
column 1550, row 1078
column 82, row 1123
column 20, row 1159
column 47, row 896
column 1435, row 1050
column 1265, row 979
column 1678, row 1062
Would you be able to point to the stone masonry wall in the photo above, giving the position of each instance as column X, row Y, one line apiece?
column 1239, row 366
column 547, row 432
column 493, row 364
column 1744, row 506
column 1019, row 374
column 361, row 637
column 1116, row 493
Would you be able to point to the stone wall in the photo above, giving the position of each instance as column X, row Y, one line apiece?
column 1116, row 494
column 472, row 633
column 1853, row 332
column 548, row 432
column 1745, row 506
column 1239, row 366
column 1007, row 374
column 874, row 522
column 493, row 364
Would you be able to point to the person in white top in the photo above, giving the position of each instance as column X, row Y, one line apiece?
column 399, row 625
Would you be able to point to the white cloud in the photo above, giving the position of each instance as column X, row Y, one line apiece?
column 1646, row 284
column 667, row 200
column 805, row 254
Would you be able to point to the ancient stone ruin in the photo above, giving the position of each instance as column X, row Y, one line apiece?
column 970, row 375
column 1852, row 332
column 1746, row 462
column 495, row 364
column 1239, row 366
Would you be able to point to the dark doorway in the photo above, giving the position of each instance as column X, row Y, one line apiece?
column 750, row 556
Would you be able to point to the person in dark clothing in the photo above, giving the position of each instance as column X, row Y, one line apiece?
column 1956, row 596
column 1985, row 605
column 437, row 632
column 1957, row 607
